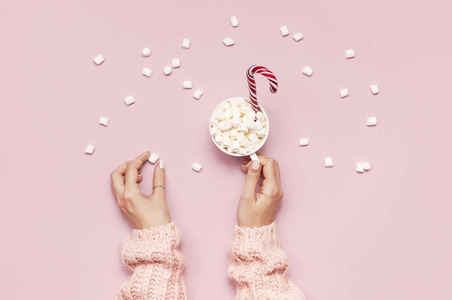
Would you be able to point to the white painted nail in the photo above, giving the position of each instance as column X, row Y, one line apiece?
column 162, row 164
column 255, row 165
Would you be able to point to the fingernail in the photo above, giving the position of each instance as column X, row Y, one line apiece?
column 140, row 175
column 243, row 166
column 162, row 164
column 255, row 165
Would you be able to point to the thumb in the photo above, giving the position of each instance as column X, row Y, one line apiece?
column 159, row 179
column 252, row 178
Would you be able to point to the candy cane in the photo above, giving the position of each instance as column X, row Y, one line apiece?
column 252, row 83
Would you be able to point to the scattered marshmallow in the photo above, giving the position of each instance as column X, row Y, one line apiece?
column 197, row 167
column 167, row 70
column 228, row 42
column 304, row 142
column 374, row 89
column 147, row 72
column 343, row 93
column 371, row 121
column 234, row 21
column 366, row 166
column 187, row 84
column 297, row 37
column 98, row 59
column 328, row 162
column 284, row 30
column 89, row 149
column 359, row 168
column 186, row 44
column 175, row 63
column 350, row 53
column 198, row 95
column 153, row 158
column 104, row 121
column 146, row 52
column 307, row 71
column 129, row 100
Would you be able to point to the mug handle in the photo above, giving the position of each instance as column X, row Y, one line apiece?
column 253, row 156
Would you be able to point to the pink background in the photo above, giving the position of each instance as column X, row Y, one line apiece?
column 384, row 234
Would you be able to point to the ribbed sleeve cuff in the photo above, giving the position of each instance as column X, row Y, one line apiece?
column 155, row 244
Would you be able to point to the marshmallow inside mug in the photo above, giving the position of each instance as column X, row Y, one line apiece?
column 236, row 129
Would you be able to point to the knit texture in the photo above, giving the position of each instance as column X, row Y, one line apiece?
column 258, row 265
column 152, row 255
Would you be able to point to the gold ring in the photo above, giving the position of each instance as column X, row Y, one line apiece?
column 158, row 185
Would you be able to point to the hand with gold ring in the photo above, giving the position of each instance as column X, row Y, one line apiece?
column 143, row 211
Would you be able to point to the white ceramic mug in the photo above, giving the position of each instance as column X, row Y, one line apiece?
column 253, row 156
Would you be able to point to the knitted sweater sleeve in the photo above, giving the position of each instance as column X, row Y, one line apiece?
column 258, row 265
column 152, row 255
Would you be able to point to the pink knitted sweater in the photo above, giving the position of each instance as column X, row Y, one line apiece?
column 256, row 263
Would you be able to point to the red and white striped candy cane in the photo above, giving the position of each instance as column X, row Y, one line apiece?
column 252, row 83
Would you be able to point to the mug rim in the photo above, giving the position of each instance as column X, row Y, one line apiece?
column 237, row 154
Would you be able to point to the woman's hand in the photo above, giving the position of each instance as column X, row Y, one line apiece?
column 143, row 211
column 259, row 208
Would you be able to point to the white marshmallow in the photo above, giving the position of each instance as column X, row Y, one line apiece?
column 218, row 139
column 251, row 115
column 226, row 134
column 242, row 151
column 233, row 102
column 359, row 168
column 234, row 21
column 147, row 72
column 259, row 125
column 259, row 115
column 104, row 121
column 228, row 42
column 197, row 167
column 366, row 166
column 236, row 112
column 98, row 59
column 328, row 162
column 343, row 93
column 250, row 149
column 241, row 101
column 241, row 137
column 213, row 131
column 307, row 71
column 371, row 121
column 350, row 53
column 187, row 84
column 253, row 138
column 198, row 94
column 153, row 158
column 226, row 142
column 218, row 115
column 251, row 125
column 304, row 142
column 236, row 122
column 89, row 149
column 214, row 123
column 228, row 124
column 284, row 30
column 234, row 133
column 186, row 43
column 175, row 63
column 129, row 100
column 262, row 132
column 228, row 113
column 221, row 125
column 246, row 143
column 374, row 89
column 225, row 105
column 167, row 70
column 235, row 146
column 243, row 128
column 146, row 52
column 297, row 37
